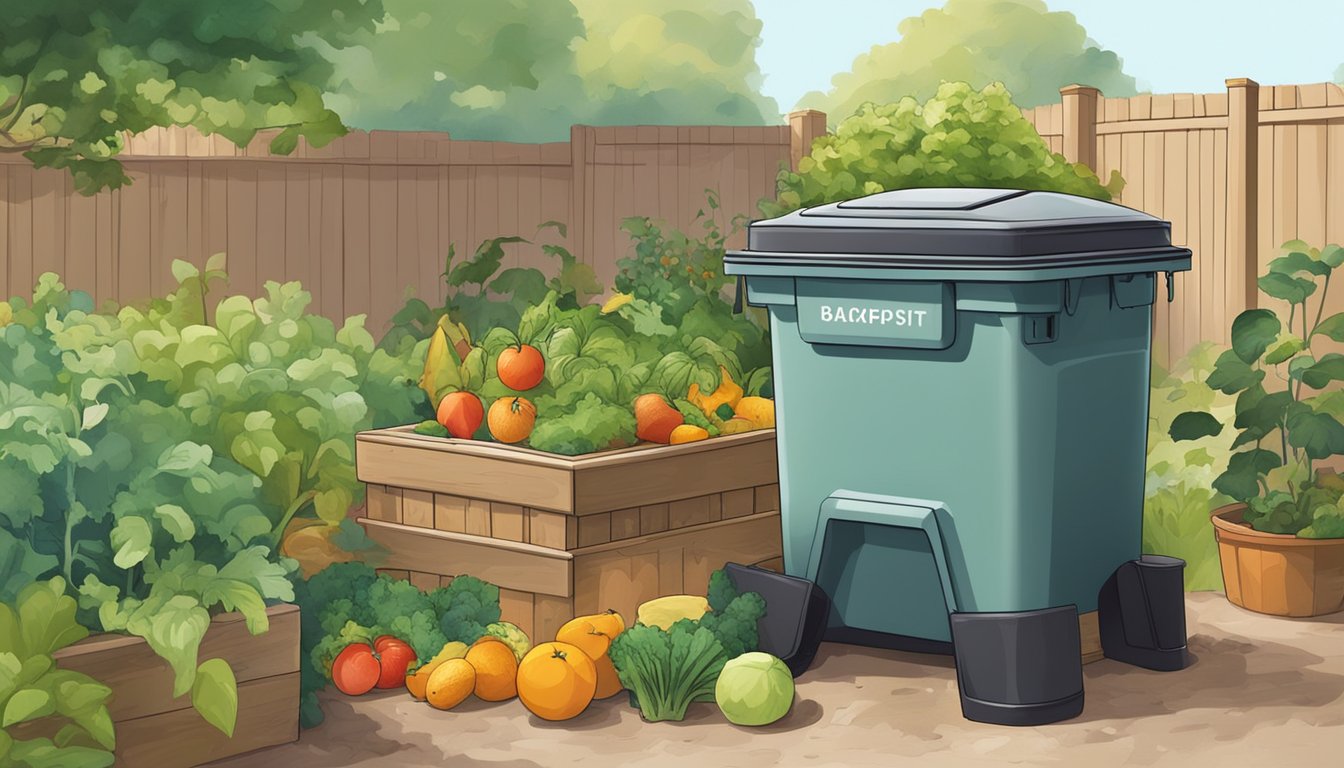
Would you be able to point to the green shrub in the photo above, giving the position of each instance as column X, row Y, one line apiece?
column 1178, row 489
column 959, row 138
column 154, row 456
column 1281, row 434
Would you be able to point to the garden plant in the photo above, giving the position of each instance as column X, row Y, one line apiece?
column 1286, row 426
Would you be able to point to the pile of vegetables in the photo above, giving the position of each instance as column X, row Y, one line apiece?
column 350, row 604
column 525, row 360
column 674, row 655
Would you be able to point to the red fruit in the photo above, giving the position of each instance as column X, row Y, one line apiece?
column 520, row 368
column 356, row 670
column 382, row 641
column 461, row 413
column 394, row 657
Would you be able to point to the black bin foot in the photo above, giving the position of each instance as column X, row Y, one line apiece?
column 1019, row 668
column 1141, row 614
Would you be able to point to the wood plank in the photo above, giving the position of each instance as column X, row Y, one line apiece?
column 767, row 498
column 1164, row 125
column 425, row 582
column 134, row 232
column 549, row 529
column 272, row 221
column 625, row 524
column 549, row 613
column 268, row 715
column 384, row 503
column 594, row 529
column 683, row 513
column 620, row 575
column 514, row 565
column 1299, row 116
column 450, row 513
column 356, row 241
column 1334, row 216
column 516, row 607
column 478, row 517
column 717, row 468
column 506, row 521
column 417, row 508
column 142, row 683
column 739, row 502
column 652, row 518
column 430, row 469
column 1089, row 635
column 1312, row 165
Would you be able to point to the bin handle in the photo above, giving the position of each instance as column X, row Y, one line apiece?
column 737, row 294
column 1171, row 287
column 1073, row 291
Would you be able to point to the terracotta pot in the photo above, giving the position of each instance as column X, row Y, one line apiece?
column 1275, row 573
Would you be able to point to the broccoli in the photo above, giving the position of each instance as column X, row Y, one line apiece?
column 466, row 606
column 350, row 603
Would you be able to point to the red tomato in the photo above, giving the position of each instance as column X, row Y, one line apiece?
column 461, row 413
column 356, row 670
column 520, row 368
column 394, row 657
column 382, row 641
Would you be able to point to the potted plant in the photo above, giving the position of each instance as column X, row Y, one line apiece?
column 1282, row 543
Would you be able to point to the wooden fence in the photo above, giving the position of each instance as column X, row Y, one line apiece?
column 1237, row 173
column 370, row 217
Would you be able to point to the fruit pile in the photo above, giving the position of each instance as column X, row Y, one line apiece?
column 555, row 680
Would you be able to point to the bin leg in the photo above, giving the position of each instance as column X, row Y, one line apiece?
column 1019, row 668
column 1141, row 614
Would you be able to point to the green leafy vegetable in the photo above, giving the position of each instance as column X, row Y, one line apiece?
column 667, row 670
column 34, row 690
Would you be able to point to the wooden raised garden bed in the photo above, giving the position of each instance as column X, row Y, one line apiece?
column 565, row 536
column 155, row 729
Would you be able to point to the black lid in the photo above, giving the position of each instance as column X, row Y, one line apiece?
column 961, row 228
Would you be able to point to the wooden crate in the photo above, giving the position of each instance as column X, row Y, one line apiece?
column 566, row 536
column 154, row 728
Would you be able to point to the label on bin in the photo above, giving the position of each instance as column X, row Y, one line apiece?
column 881, row 313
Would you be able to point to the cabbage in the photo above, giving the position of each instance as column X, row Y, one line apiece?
column 754, row 689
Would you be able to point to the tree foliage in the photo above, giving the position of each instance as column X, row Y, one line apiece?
column 1032, row 51
column 526, row 70
column 74, row 76
column 959, row 138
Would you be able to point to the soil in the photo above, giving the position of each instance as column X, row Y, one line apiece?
column 1262, row 691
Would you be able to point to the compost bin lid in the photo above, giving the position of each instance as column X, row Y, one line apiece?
column 961, row 229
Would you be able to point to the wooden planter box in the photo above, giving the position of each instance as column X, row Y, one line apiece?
column 566, row 536
column 155, row 729
column 1275, row 573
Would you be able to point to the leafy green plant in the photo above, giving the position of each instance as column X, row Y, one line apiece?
column 480, row 296
column 35, row 695
column 1178, row 495
column 350, row 603
column 667, row 670
column 154, row 456
column 1283, row 433
column 959, row 138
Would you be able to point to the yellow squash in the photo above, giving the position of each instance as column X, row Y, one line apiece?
column 727, row 392
column 663, row 612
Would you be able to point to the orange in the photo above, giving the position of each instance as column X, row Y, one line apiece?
column 556, row 681
column 608, row 682
column 450, row 684
column 496, row 670
column 582, row 634
column 417, row 681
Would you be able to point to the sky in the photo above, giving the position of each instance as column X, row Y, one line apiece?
column 1169, row 46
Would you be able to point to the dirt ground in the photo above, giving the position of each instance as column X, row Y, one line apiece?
column 1261, row 692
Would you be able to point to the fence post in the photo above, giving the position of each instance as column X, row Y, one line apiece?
column 1080, row 124
column 806, row 126
column 582, row 141
column 1243, row 184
